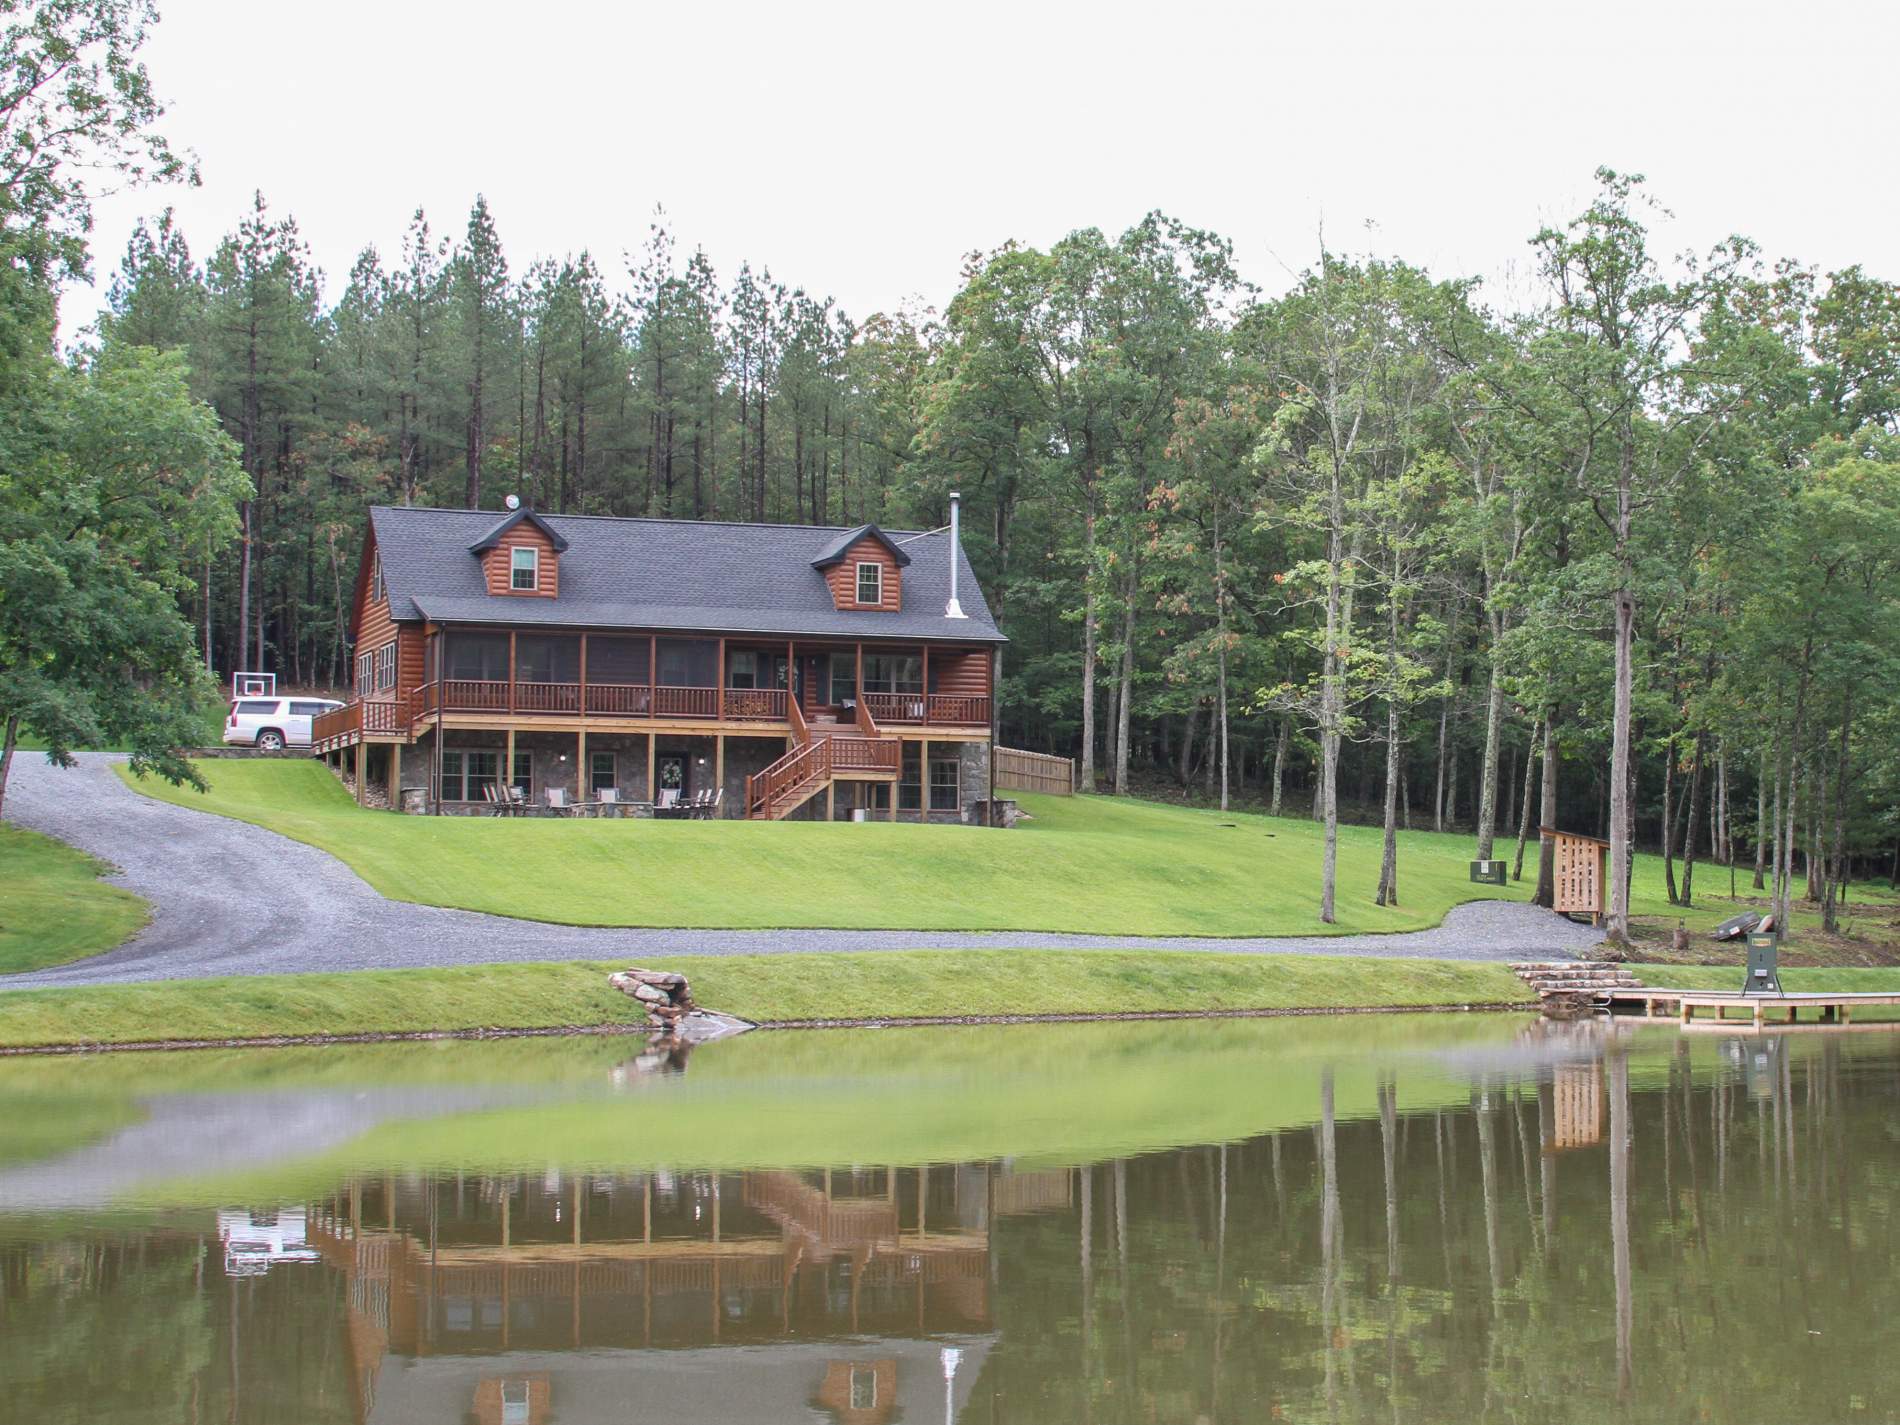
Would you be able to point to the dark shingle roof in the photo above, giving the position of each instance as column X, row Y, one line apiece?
column 520, row 516
column 682, row 574
column 836, row 550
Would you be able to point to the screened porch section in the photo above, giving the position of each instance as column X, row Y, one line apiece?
column 602, row 675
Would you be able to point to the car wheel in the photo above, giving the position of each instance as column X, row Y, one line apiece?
column 270, row 740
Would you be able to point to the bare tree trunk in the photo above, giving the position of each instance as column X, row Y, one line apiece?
column 1837, row 866
column 10, row 741
column 1389, row 858
column 1669, row 819
column 1279, row 765
column 1524, row 812
column 1617, row 919
column 1546, row 895
column 1761, row 822
column 1695, row 812
column 1444, row 716
column 1086, row 779
column 1126, row 698
column 1186, row 766
column 1493, row 727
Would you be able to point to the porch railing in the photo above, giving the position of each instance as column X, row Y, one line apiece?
column 863, row 754
column 686, row 702
column 620, row 699
column 944, row 709
column 804, row 766
column 755, row 705
column 368, row 717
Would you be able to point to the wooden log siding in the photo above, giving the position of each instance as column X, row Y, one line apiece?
column 1033, row 771
column 497, row 563
column 843, row 577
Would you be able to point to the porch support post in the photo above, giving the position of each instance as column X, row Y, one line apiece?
column 511, row 670
column 653, row 795
column 831, row 801
column 923, row 776
column 720, row 707
column 508, row 772
column 653, row 684
column 926, row 684
column 857, row 680
column 719, row 756
column 395, row 776
column 583, row 784
column 362, row 771
column 582, row 708
column 791, row 675
column 897, row 787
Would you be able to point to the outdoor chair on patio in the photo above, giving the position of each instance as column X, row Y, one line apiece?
column 709, row 804
column 607, row 802
column 667, row 802
column 558, row 803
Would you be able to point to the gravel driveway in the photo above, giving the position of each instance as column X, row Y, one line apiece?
column 229, row 898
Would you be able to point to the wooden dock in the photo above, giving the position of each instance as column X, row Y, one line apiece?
column 1683, row 1004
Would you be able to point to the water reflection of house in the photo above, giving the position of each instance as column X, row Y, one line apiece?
column 1577, row 1106
column 715, row 1297
column 254, row 1242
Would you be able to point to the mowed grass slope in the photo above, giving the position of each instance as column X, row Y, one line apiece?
column 1087, row 864
column 915, row 984
column 53, row 906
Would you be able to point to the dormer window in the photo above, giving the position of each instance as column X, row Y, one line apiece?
column 870, row 583
column 524, row 569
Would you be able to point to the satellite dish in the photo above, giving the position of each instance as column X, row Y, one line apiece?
column 513, row 502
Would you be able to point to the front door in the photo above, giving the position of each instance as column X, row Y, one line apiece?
column 670, row 770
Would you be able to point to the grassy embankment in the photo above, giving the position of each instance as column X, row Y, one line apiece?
column 53, row 906
column 766, row 988
column 889, row 986
column 1090, row 864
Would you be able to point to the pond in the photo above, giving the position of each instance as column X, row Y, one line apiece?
column 1390, row 1218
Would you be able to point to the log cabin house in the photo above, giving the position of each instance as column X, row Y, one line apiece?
column 790, row 670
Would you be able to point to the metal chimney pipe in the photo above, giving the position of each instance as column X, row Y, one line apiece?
column 953, row 609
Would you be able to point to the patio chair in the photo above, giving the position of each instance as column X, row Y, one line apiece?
column 607, row 801
column 517, row 799
column 709, row 810
column 666, row 802
column 558, row 802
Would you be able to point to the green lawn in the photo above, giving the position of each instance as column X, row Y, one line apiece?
column 1092, row 864
column 54, row 907
column 766, row 988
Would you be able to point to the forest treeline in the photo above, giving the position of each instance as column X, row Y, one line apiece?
column 1619, row 558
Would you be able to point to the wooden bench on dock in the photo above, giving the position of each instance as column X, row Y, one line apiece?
column 1833, row 1008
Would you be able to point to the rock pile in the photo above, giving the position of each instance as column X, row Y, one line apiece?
column 665, row 996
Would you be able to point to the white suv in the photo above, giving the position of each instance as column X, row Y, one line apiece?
column 273, row 724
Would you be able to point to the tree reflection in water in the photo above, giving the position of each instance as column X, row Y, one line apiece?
column 1440, row 1263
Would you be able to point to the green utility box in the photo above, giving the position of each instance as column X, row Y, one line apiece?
column 1764, row 954
column 1488, row 873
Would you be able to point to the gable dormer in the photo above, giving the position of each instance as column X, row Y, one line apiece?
column 521, row 556
column 865, row 570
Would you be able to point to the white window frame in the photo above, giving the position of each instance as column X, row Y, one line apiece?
column 386, row 668
column 877, row 578
column 365, row 674
column 613, row 770
column 376, row 579
column 515, row 569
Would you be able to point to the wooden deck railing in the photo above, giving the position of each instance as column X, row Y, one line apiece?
column 686, row 702
column 755, row 705
column 546, row 697
column 620, row 699
column 802, row 766
column 957, row 710
column 863, row 754
column 366, row 717
column 794, row 714
column 912, row 709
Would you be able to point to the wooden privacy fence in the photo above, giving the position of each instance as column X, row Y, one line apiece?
column 1034, row 771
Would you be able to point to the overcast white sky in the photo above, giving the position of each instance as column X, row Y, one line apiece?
column 862, row 150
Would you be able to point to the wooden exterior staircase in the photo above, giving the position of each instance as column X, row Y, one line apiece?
column 823, row 754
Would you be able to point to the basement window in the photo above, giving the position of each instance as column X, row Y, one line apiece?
column 870, row 583
column 524, row 569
